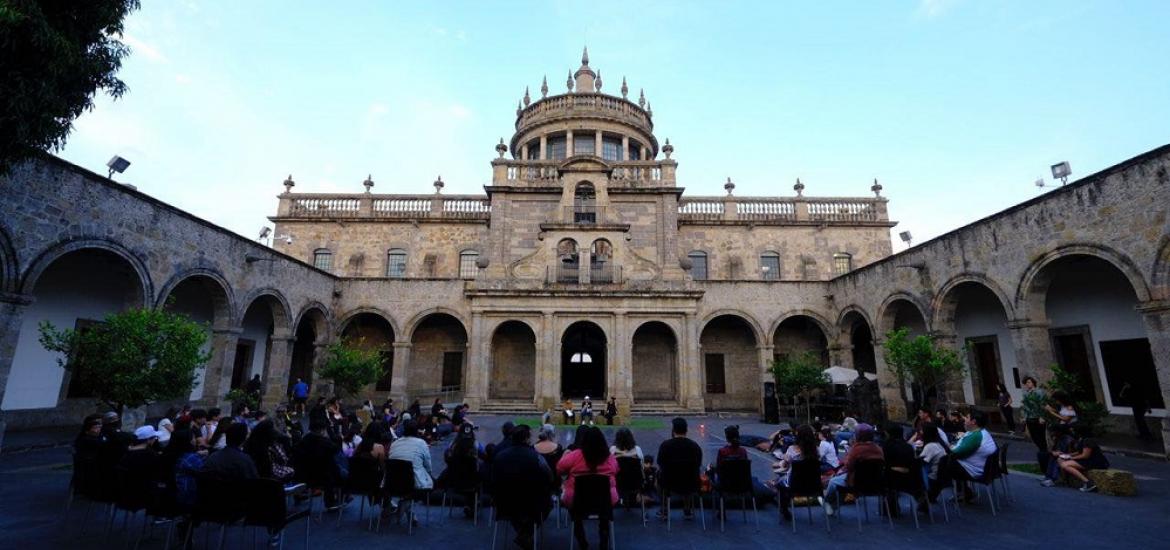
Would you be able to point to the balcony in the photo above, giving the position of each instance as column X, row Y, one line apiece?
column 598, row 273
column 383, row 207
column 732, row 210
column 547, row 173
column 574, row 105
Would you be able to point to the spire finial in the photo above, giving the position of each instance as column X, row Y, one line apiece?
column 518, row 107
column 641, row 98
column 649, row 110
column 569, row 82
column 544, row 87
column 585, row 56
column 625, row 89
column 527, row 100
column 597, row 82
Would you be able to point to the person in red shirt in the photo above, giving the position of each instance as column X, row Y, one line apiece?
column 591, row 457
column 863, row 449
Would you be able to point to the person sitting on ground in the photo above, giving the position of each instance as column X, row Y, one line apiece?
column 683, row 457
column 900, row 458
column 590, row 458
column 863, row 448
column 270, row 457
column 806, row 445
column 1062, row 444
column 316, row 462
column 933, row 451
column 1085, row 455
column 971, row 452
column 611, row 410
column 232, row 463
column 624, row 445
column 529, row 479
column 410, row 447
column 830, row 460
column 1065, row 411
column 567, row 411
column 649, row 490
column 587, row 411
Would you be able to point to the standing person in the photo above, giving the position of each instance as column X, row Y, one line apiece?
column 1004, row 400
column 592, row 457
column 1032, row 406
column 681, row 455
column 254, row 387
column 529, row 479
column 300, row 395
column 1141, row 406
column 610, row 410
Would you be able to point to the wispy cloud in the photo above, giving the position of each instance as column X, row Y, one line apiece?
column 137, row 46
column 935, row 8
column 183, row 79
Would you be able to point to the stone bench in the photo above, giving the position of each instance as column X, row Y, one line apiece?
column 1114, row 482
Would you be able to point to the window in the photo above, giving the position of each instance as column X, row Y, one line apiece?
column 808, row 269
column 533, row 150
column 584, row 204
column 583, row 145
column 468, row 266
column 698, row 265
column 842, row 263
column 770, row 266
column 556, row 148
column 452, row 370
column 716, row 381
column 396, row 263
column 611, row 148
column 635, row 150
column 601, row 250
column 580, row 357
column 323, row 259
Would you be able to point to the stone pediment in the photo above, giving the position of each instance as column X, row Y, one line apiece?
column 585, row 164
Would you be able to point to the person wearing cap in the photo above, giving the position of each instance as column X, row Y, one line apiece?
column 863, row 449
column 587, row 411
column 142, row 457
column 683, row 453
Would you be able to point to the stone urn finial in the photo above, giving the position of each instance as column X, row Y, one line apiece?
column 289, row 184
column 501, row 148
column 438, row 184
column 597, row 81
column 527, row 99
column 876, row 188
column 729, row 186
column 667, row 149
column 369, row 183
column 799, row 188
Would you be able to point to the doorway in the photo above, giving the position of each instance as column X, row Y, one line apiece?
column 583, row 355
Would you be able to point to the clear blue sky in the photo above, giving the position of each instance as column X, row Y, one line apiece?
column 957, row 106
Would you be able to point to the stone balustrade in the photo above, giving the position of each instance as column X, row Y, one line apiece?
column 780, row 210
column 631, row 173
column 388, row 207
column 583, row 104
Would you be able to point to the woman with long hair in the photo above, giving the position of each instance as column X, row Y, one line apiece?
column 591, row 457
column 372, row 441
column 1004, row 400
column 807, row 447
column 624, row 445
column 271, row 458
column 218, row 440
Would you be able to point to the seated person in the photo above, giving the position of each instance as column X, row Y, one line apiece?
column 316, row 462
column 611, row 410
column 1086, row 455
column 971, row 452
column 932, row 452
column 521, row 468
column 830, row 460
column 806, row 445
column 1062, row 443
column 731, row 451
column 567, row 411
column 587, row 411
column 900, row 458
column 863, row 449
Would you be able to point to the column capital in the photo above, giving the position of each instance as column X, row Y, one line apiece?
column 232, row 331
column 402, row 345
column 1154, row 307
column 1015, row 324
column 18, row 299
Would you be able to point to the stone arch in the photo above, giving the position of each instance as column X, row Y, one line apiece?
column 1033, row 284
column 346, row 318
column 731, row 361
column 856, row 333
column 372, row 328
column 438, row 352
column 654, row 354
column 8, row 262
column 277, row 303
column 757, row 332
column 827, row 328
column 1161, row 271
column 51, row 254
column 513, row 355
column 222, row 297
column 413, row 323
column 318, row 314
column 791, row 333
column 943, row 306
column 584, row 356
column 894, row 306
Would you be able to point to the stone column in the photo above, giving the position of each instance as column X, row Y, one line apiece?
column 548, row 392
column 952, row 392
column 891, row 392
column 618, row 379
column 645, row 154
column 398, row 379
column 1033, row 349
column 841, row 355
column 1157, row 318
column 524, row 152
column 315, row 380
column 625, row 147
column 12, row 307
column 597, row 144
column 217, row 375
column 478, row 368
column 690, row 366
column 544, row 147
column 765, row 354
column 277, row 370
column 568, row 144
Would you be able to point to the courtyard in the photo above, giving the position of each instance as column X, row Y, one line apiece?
column 33, row 492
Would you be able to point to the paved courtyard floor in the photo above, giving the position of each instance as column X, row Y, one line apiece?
column 33, row 489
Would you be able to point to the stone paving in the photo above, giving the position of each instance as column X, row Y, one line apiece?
column 33, row 483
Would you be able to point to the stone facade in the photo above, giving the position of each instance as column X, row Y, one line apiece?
column 585, row 268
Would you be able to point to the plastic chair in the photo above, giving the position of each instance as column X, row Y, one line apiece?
column 366, row 478
column 945, row 481
column 805, row 481
column 681, row 478
column 266, row 506
column 462, row 478
column 218, row 501
column 511, row 505
column 869, row 480
column 629, row 482
column 400, row 484
column 592, row 499
column 987, row 480
column 735, row 480
column 1004, row 471
column 912, row 485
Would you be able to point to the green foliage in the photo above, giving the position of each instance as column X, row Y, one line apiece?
column 54, row 57
column 1090, row 414
column 922, row 361
column 134, row 357
column 237, row 395
column 797, row 375
column 352, row 366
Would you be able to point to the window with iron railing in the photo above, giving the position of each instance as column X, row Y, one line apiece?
column 468, row 264
column 323, row 259
column 842, row 263
column 770, row 266
column 396, row 264
column 698, row 265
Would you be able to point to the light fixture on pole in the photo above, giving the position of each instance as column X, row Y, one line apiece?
column 1061, row 171
column 264, row 233
column 906, row 238
column 117, row 164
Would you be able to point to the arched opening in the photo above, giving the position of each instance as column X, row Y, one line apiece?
column 372, row 331
column 254, row 347
column 203, row 300
column 902, row 313
column 77, row 290
column 1096, row 332
column 569, row 262
column 437, row 354
column 859, row 337
column 731, row 364
column 655, row 363
column 800, row 334
column 583, row 360
column 310, row 331
column 584, row 203
column 600, row 266
column 513, row 362
column 980, row 322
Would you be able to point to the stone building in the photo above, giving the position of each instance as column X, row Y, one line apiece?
column 585, row 269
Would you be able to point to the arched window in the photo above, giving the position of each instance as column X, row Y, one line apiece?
column 698, row 260
column 601, row 251
column 396, row 263
column 569, row 262
column 842, row 263
column 323, row 259
column 584, row 203
column 581, row 357
column 468, row 264
column 770, row 266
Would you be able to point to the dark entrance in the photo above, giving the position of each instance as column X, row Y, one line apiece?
column 1131, row 362
column 242, row 365
column 987, row 368
column 302, row 357
column 583, row 353
column 1073, row 354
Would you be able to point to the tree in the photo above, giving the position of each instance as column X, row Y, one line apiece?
column 132, row 358
column 798, row 375
column 54, row 57
column 921, row 361
column 352, row 366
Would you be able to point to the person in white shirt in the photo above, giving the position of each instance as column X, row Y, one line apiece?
column 827, row 450
column 413, row 449
column 166, row 425
column 932, row 452
column 624, row 445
